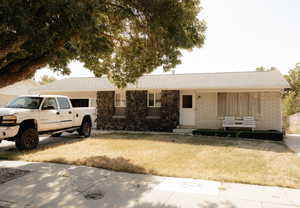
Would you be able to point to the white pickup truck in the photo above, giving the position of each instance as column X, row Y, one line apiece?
column 26, row 117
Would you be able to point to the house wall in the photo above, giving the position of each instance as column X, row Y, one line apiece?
column 136, row 114
column 5, row 99
column 207, row 111
column 89, row 94
column 271, row 117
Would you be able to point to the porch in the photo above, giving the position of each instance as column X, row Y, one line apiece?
column 208, row 110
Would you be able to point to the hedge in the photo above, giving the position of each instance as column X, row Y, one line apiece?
column 257, row 134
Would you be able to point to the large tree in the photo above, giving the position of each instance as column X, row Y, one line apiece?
column 120, row 38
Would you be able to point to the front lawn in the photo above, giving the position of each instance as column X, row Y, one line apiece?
column 212, row 158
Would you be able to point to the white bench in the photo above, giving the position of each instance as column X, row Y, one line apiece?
column 246, row 122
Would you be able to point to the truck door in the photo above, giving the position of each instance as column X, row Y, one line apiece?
column 66, row 112
column 49, row 115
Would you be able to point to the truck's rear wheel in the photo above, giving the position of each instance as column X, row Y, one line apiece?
column 27, row 139
column 86, row 128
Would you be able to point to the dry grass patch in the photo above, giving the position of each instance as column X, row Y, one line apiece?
column 230, row 160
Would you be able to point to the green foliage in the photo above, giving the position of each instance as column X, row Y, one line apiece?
column 122, row 38
column 293, row 78
column 289, row 103
column 47, row 79
column 291, row 97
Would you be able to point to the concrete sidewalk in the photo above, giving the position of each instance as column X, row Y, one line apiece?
column 53, row 185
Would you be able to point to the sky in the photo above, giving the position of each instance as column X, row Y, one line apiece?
column 241, row 35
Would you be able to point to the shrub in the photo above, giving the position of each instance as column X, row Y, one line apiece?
column 257, row 134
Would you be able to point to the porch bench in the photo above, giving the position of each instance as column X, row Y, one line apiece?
column 246, row 122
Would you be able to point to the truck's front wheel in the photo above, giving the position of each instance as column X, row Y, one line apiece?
column 28, row 139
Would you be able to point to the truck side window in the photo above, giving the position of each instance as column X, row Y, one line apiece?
column 49, row 104
column 63, row 103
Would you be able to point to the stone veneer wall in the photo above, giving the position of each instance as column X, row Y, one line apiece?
column 136, row 117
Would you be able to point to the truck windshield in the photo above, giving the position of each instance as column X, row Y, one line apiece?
column 26, row 103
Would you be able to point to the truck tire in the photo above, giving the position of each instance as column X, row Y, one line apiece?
column 27, row 139
column 85, row 128
column 57, row 135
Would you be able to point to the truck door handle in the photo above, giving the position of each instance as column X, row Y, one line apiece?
column 57, row 113
column 70, row 112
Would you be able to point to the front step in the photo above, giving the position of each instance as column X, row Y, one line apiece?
column 183, row 131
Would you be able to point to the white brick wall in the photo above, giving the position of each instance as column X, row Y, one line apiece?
column 206, row 111
column 270, row 112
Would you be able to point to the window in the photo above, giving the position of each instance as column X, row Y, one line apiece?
column 63, row 103
column 154, row 99
column 239, row 104
column 120, row 99
column 187, row 101
column 80, row 103
column 50, row 104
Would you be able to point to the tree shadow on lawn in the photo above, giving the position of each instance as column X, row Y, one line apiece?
column 116, row 164
column 252, row 144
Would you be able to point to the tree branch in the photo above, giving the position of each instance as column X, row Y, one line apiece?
column 19, row 71
column 12, row 46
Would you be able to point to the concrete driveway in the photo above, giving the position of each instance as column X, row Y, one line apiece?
column 293, row 142
column 44, row 141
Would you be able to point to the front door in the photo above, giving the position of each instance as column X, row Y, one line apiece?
column 187, row 109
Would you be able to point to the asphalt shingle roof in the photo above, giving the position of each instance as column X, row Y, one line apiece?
column 206, row 81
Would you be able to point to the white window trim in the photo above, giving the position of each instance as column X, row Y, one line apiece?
column 155, row 94
column 122, row 93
